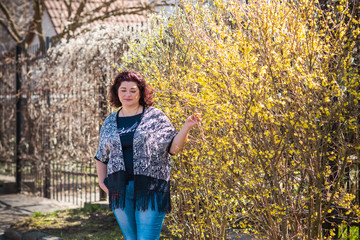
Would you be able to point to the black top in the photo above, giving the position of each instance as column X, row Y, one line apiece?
column 126, row 129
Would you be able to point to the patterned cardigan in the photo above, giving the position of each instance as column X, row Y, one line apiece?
column 152, row 139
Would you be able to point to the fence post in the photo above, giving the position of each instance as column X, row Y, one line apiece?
column 47, row 43
column 18, row 119
column 47, row 177
column 47, row 180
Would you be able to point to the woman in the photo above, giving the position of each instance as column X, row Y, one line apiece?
column 133, row 156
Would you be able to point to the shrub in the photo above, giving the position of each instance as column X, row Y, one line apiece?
column 277, row 87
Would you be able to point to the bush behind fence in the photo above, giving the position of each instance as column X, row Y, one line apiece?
column 49, row 126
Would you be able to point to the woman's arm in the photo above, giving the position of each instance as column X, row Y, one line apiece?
column 180, row 139
column 101, row 169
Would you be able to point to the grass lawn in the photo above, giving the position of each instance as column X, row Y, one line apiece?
column 91, row 222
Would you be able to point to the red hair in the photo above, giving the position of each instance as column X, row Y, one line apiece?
column 146, row 92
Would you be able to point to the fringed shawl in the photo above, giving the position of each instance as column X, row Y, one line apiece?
column 152, row 140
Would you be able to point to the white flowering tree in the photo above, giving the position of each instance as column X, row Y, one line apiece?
column 74, row 81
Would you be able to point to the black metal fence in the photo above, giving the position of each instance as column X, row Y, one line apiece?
column 27, row 148
column 69, row 182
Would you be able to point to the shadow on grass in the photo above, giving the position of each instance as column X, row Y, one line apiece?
column 91, row 222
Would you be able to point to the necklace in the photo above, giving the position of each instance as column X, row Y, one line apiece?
column 122, row 112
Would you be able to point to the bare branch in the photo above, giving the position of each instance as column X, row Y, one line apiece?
column 77, row 13
column 88, row 17
column 12, row 28
column 12, row 34
column 79, row 10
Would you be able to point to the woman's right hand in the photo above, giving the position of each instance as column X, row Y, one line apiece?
column 101, row 169
column 104, row 188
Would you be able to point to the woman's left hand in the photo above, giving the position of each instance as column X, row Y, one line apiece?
column 193, row 120
column 180, row 139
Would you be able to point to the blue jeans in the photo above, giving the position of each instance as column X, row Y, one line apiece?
column 136, row 224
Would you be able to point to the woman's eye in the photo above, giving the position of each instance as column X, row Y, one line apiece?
column 124, row 91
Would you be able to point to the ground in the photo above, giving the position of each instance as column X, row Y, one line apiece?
column 91, row 222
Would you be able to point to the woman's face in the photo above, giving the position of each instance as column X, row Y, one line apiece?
column 129, row 94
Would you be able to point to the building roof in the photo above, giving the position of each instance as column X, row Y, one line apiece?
column 59, row 14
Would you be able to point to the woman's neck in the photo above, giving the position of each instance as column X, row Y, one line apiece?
column 130, row 110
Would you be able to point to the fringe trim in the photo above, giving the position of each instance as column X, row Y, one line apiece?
column 148, row 192
column 159, row 201
column 116, row 200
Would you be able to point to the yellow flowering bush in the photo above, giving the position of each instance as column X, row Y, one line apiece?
column 278, row 90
